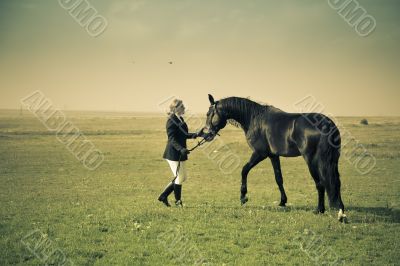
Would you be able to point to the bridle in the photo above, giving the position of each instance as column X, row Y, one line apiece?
column 214, row 129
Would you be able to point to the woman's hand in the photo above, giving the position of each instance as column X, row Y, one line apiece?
column 199, row 133
column 184, row 151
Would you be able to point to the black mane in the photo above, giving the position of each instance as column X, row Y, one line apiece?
column 239, row 111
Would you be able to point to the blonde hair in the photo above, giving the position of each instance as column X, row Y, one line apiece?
column 174, row 105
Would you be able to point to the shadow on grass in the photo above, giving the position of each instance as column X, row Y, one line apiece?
column 357, row 214
column 374, row 215
column 252, row 207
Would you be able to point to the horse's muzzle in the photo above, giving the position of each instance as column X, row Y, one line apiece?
column 209, row 136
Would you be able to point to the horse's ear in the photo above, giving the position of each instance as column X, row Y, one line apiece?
column 211, row 99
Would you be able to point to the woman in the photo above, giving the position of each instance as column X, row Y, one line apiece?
column 176, row 151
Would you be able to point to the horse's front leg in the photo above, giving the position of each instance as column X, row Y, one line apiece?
column 254, row 160
column 276, row 164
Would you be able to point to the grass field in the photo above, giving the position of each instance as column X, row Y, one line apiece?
column 110, row 216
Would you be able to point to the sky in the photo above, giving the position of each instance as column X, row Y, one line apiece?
column 275, row 52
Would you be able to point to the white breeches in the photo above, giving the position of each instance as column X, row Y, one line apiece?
column 182, row 176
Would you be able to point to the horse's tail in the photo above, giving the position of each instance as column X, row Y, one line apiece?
column 328, row 155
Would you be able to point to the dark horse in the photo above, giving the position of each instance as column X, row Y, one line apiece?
column 272, row 133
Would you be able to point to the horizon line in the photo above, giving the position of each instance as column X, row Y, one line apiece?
column 159, row 113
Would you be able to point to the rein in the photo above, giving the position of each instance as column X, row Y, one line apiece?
column 199, row 143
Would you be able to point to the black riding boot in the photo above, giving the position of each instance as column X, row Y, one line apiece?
column 164, row 196
column 178, row 192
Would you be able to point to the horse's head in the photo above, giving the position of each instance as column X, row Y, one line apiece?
column 216, row 119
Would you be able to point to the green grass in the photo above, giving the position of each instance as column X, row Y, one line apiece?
column 110, row 216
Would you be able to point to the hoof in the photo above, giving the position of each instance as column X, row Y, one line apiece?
column 179, row 204
column 244, row 200
column 319, row 211
column 342, row 217
column 343, row 220
column 282, row 204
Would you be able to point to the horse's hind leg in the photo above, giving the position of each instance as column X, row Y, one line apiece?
column 276, row 164
column 313, row 167
column 254, row 160
column 332, row 189
column 332, row 184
